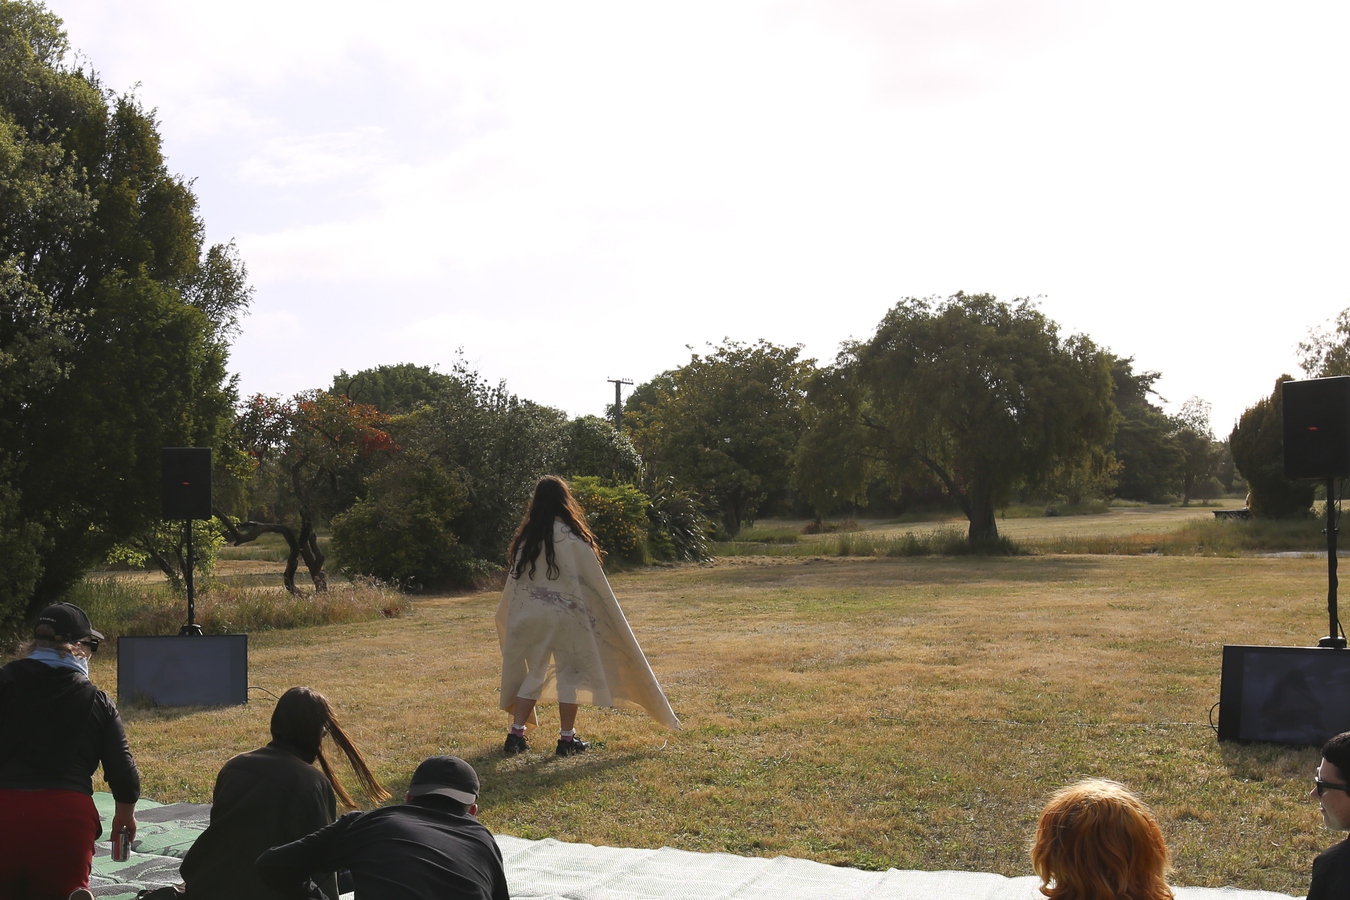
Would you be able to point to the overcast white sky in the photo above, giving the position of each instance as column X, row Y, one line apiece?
column 575, row 192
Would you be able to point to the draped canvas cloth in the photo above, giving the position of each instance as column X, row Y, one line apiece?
column 565, row 639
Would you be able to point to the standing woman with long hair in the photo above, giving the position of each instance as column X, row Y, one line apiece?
column 562, row 633
column 273, row 796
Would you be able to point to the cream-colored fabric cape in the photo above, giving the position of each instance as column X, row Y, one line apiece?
column 566, row 639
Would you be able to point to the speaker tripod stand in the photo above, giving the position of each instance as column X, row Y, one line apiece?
column 1334, row 639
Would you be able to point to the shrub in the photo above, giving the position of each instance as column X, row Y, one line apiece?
column 617, row 515
column 401, row 531
column 1257, row 445
column 677, row 527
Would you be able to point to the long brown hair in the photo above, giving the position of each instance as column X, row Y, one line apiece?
column 552, row 500
column 301, row 718
column 1098, row 841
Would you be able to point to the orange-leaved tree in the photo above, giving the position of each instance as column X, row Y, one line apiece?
column 309, row 453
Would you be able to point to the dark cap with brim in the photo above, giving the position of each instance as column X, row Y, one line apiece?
column 447, row 776
column 68, row 623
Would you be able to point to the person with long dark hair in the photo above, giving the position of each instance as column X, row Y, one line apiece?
column 562, row 633
column 274, row 796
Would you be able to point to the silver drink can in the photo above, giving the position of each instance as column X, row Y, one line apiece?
column 121, row 845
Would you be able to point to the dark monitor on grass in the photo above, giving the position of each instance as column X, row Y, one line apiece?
column 183, row 670
column 1284, row 695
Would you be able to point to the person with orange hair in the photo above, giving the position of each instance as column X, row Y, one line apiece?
column 1098, row 841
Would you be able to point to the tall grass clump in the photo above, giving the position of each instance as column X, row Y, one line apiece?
column 940, row 542
column 1198, row 538
column 119, row 607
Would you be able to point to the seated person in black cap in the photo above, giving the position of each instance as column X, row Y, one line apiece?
column 430, row 847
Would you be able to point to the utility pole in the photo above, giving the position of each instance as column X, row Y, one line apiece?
column 618, row 399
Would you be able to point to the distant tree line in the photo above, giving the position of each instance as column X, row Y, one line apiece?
column 967, row 403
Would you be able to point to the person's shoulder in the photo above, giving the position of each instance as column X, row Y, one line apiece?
column 1337, row 855
column 1331, row 872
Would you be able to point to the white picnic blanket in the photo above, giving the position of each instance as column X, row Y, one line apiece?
column 553, row 870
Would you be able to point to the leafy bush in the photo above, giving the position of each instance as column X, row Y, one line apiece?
column 593, row 446
column 402, row 530
column 677, row 527
column 617, row 515
column 1257, row 445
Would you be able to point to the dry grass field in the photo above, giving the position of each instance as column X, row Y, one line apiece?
column 873, row 712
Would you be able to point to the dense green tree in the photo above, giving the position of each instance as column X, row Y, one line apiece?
column 1145, row 445
column 394, row 389
column 497, row 445
column 726, row 424
column 1200, row 453
column 1257, row 444
column 402, row 529
column 1326, row 352
column 114, row 319
column 979, row 395
column 592, row 446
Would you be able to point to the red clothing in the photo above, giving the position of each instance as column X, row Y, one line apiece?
column 46, row 843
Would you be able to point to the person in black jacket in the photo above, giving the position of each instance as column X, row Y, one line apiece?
column 430, row 848
column 1331, row 869
column 271, row 796
column 56, row 728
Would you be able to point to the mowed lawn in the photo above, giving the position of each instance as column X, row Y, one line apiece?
column 909, row 713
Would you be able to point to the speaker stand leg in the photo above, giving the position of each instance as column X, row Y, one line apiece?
column 1333, row 639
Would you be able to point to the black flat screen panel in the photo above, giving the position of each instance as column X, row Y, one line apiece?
column 1284, row 695
column 183, row 670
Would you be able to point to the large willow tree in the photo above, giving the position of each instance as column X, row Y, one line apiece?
column 975, row 394
column 114, row 318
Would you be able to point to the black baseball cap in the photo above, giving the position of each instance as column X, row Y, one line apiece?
column 448, row 776
column 68, row 623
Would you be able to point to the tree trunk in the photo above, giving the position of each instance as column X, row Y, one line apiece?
column 983, row 524
column 313, row 557
column 731, row 519
column 309, row 549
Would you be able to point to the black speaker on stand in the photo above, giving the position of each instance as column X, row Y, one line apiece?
column 1299, row 695
column 186, row 495
column 1317, row 445
column 189, row 669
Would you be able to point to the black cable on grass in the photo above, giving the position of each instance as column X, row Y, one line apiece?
column 254, row 687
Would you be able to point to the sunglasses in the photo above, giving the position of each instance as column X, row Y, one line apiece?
column 92, row 644
column 1323, row 786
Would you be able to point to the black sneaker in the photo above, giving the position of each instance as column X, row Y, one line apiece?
column 515, row 744
column 573, row 747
